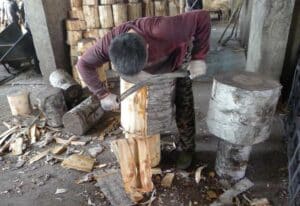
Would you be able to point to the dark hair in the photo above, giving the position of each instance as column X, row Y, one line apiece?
column 128, row 53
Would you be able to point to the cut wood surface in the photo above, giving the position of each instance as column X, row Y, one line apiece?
column 84, row 116
column 91, row 33
column 75, row 25
column 161, row 8
column 135, row 11
column 103, row 32
column 79, row 162
column 76, row 13
column 106, row 16
column 242, row 107
column 19, row 103
column 73, row 37
column 120, row 13
column 91, row 16
column 90, row 2
column 76, row 3
column 104, row 2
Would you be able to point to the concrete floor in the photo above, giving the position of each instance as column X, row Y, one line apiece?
column 267, row 168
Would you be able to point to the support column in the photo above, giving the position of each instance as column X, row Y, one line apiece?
column 269, row 30
column 46, row 22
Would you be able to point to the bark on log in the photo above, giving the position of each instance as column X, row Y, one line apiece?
column 232, row 160
column 242, row 107
column 91, row 15
column 174, row 7
column 106, row 16
column 73, row 37
column 148, row 8
column 61, row 79
column 103, row 32
column 19, row 103
column 134, row 11
column 76, row 3
column 120, row 13
column 82, row 117
column 108, row 2
column 75, row 25
column 76, row 13
column 161, row 8
column 52, row 103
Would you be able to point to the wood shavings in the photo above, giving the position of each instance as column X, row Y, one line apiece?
column 198, row 174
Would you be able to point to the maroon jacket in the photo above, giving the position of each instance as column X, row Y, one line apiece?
column 167, row 37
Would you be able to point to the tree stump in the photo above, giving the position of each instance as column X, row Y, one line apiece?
column 82, row 117
column 106, row 16
column 242, row 107
column 134, row 11
column 19, row 103
column 72, row 90
column 52, row 103
column 91, row 16
column 120, row 13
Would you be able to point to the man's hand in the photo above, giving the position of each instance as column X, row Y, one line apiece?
column 197, row 68
column 110, row 102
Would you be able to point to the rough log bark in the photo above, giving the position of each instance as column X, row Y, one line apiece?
column 242, row 107
column 161, row 8
column 135, row 11
column 73, row 37
column 91, row 16
column 106, row 16
column 75, row 25
column 83, row 116
column 19, row 103
column 52, row 103
column 120, row 13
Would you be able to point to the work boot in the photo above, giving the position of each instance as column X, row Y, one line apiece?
column 184, row 160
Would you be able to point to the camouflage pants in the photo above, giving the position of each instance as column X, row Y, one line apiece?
column 185, row 114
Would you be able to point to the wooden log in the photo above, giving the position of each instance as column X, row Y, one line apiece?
column 135, row 11
column 182, row 6
column 232, row 160
column 120, row 13
column 85, row 44
column 242, row 107
column 76, row 3
column 73, row 37
column 91, row 16
column 161, row 8
column 148, row 8
column 63, row 80
column 106, row 16
column 103, row 32
column 174, row 7
column 90, row 2
column 91, row 33
column 19, row 103
column 76, row 13
column 73, row 59
column 133, row 1
column 84, row 116
column 108, row 2
column 73, row 51
column 75, row 25
column 52, row 103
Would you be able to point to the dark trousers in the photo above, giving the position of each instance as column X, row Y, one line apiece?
column 185, row 114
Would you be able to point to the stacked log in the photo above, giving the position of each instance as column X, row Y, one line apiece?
column 160, row 8
column 120, row 13
column 135, row 11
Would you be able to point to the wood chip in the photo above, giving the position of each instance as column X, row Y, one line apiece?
column 167, row 180
column 58, row 149
column 38, row 156
column 32, row 134
column 198, row 174
column 17, row 147
column 79, row 162
column 60, row 191
column 7, row 133
column 71, row 141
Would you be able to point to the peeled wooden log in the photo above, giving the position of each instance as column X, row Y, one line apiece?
column 76, row 3
column 75, row 25
column 73, row 37
column 174, row 7
column 19, row 103
column 61, row 79
column 76, row 13
column 242, row 107
column 161, row 8
column 90, row 2
column 52, row 103
column 148, row 8
column 91, row 33
column 82, row 117
column 103, row 32
column 85, row 44
column 108, row 2
column 106, row 16
column 120, row 13
column 232, row 160
column 91, row 16
column 134, row 11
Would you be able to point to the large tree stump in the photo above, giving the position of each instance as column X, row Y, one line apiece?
column 84, row 116
column 52, row 103
column 120, row 13
column 72, row 90
column 91, row 16
column 106, row 16
column 242, row 107
column 19, row 103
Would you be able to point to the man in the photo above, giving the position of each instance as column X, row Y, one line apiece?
column 154, row 45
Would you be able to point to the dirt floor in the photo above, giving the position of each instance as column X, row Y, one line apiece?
column 36, row 184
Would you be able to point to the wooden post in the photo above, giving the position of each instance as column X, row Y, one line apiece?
column 19, row 103
column 106, row 16
column 91, row 16
column 161, row 8
column 120, row 13
column 84, row 116
column 134, row 11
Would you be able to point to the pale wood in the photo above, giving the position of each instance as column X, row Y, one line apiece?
column 103, row 32
column 148, row 8
column 120, row 13
column 154, row 149
column 134, row 11
column 75, row 25
column 76, row 3
column 104, row 2
column 91, row 33
column 73, row 37
column 85, row 44
column 106, row 16
column 91, row 16
column 52, row 103
column 19, row 103
column 76, row 13
column 74, row 59
column 182, row 6
column 84, row 116
column 79, row 162
column 161, row 8
column 17, row 146
column 90, row 2
column 242, row 107
column 174, row 7
column 73, row 51
column 63, row 80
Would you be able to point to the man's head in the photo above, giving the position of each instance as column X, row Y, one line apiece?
column 128, row 53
